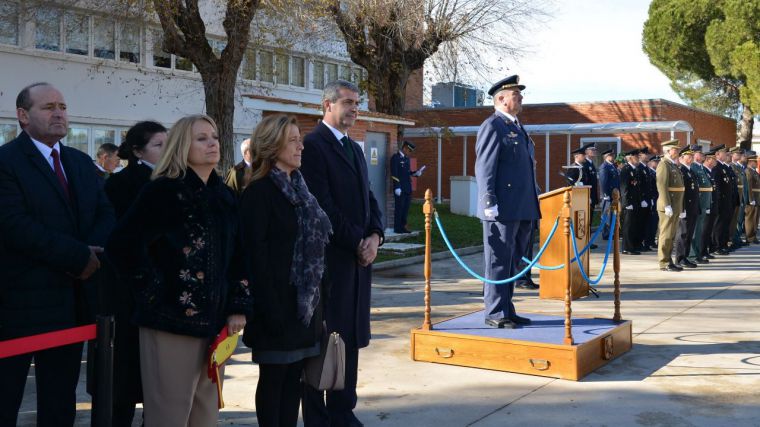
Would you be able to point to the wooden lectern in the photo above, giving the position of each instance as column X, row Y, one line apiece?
column 554, row 282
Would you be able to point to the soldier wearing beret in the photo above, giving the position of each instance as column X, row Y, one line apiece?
column 401, row 176
column 726, row 190
column 669, row 204
column 686, row 224
column 507, row 198
column 753, row 198
column 705, row 201
column 630, row 199
column 609, row 180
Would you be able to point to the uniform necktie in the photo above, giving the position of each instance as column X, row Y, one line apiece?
column 59, row 172
column 347, row 148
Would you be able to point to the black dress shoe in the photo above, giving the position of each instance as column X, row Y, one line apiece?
column 701, row 260
column 671, row 267
column 687, row 264
column 500, row 323
column 524, row 284
column 723, row 252
column 631, row 253
column 519, row 320
column 708, row 256
column 645, row 249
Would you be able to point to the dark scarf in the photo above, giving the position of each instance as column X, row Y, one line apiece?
column 314, row 232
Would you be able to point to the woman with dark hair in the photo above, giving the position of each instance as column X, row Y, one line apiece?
column 141, row 148
column 285, row 233
column 177, row 247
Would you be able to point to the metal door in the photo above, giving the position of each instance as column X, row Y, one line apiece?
column 375, row 146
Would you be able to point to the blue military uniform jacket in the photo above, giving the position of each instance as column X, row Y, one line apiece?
column 401, row 172
column 609, row 178
column 504, row 170
column 589, row 174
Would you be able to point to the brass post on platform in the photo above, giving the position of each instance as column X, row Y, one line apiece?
column 566, row 214
column 428, row 210
column 615, row 207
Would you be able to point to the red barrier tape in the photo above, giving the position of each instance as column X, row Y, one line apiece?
column 47, row 340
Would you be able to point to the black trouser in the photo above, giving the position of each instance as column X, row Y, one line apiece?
column 401, row 211
column 706, row 237
column 56, row 373
column 632, row 223
column 650, row 227
column 278, row 394
column 721, row 226
column 684, row 234
column 338, row 410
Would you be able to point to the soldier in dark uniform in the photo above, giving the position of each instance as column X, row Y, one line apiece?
column 592, row 179
column 736, row 229
column 646, row 198
column 686, row 225
column 705, row 199
column 726, row 191
column 609, row 180
column 576, row 172
column 710, row 165
column 401, row 175
column 650, row 227
column 630, row 200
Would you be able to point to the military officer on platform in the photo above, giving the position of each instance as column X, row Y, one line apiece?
column 705, row 201
column 686, row 224
column 753, row 198
column 669, row 204
column 630, row 201
column 725, row 181
column 401, row 175
column 507, row 198
column 609, row 180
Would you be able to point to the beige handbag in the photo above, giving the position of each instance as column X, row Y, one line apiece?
column 327, row 371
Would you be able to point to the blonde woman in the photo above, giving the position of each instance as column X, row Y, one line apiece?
column 177, row 246
column 285, row 233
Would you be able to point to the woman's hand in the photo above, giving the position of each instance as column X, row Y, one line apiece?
column 235, row 323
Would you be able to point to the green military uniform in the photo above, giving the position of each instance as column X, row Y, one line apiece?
column 752, row 209
column 671, row 192
column 705, row 200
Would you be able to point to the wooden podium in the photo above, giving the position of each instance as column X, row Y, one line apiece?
column 554, row 282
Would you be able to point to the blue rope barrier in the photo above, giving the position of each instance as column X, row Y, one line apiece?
column 604, row 263
column 479, row 277
column 588, row 246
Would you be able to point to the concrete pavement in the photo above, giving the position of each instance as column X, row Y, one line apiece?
column 695, row 360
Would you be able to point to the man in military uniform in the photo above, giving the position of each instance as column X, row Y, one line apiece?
column 401, row 175
column 609, row 180
column 736, row 229
column 630, row 201
column 592, row 179
column 753, row 198
column 706, row 239
column 726, row 190
column 686, row 224
column 576, row 173
column 669, row 204
column 650, row 225
column 646, row 198
column 507, row 198
column 705, row 200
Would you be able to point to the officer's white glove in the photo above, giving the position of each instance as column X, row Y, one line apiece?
column 397, row 192
column 668, row 211
column 492, row 212
column 644, row 203
column 579, row 183
column 682, row 215
column 606, row 198
column 651, row 202
column 629, row 208
column 752, row 203
column 707, row 211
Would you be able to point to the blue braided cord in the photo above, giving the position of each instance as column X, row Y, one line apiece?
column 479, row 277
column 588, row 245
column 604, row 263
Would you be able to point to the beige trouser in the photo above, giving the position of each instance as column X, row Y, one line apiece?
column 750, row 222
column 668, row 227
column 176, row 388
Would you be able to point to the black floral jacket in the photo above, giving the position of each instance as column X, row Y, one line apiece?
column 179, row 247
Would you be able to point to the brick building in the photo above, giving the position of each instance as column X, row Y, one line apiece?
column 708, row 129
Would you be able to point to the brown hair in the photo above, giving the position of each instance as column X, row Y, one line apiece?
column 267, row 141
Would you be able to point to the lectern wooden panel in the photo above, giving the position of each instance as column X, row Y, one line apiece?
column 554, row 282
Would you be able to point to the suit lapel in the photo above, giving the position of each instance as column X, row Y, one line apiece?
column 338, row 147
column 42, row 165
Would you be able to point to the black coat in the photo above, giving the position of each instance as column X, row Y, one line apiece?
column 631, row 187
column 45, row 238
column 691, row 192
column 343, row 192
column 269, row 227
column 178, row 247
column 123, row 187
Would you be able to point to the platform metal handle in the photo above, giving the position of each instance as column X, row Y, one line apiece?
column 540, row 364
column 609, row 348
column 446, row 353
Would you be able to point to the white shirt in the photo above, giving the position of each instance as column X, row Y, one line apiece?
column 511, row 117
column 146, row 163
column 338, row 134
column 46, row 153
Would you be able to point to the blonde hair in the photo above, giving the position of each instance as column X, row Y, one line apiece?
column 173, row 161
column 267, row 141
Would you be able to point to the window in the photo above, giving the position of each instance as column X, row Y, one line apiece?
column 8, row 22
column 129, row 42
column 160, row 58
column 297, row 70
column 104, row 42
column 283, row 69
column 332, row 72
column 345, row 73
column 266, row 61
column 78, row 138
column 47, row 34
column 8, row 132
column 102, row 136
column 318, row 75
column 217, row 46
column 249, row 64
column 77, row 30
column 183, row 64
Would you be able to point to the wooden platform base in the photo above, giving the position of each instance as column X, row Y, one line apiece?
column 536, row 349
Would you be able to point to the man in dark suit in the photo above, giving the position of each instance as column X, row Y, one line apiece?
column 507, row 198
column 336, row 173
column 235, row 178
column 401, row 176
column 609, row 180
column 54, row 219
column 726, row 189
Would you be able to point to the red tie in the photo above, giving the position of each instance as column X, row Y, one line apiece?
column 59, row 172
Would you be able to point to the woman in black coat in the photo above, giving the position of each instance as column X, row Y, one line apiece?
column 141, row 148
column 284, row 233
column 177, row 246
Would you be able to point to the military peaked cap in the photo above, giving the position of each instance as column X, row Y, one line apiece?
column 506, row 83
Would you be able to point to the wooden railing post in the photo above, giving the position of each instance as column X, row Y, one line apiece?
column 615, row 207
column 566, row 214
column 428, row 210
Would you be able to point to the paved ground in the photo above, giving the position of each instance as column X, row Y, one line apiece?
column 695, row 360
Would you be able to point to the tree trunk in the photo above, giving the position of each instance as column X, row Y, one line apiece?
column 746, row 125
column 220, row 106
column 388, row 88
